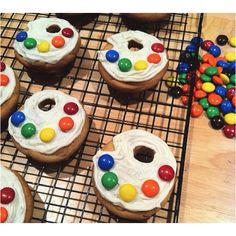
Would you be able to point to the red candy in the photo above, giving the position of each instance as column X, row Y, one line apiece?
column 234, row 101
column 205, row 45
column 7, row 195
column 229, row 131
column 184, row 100
column 3, row 214
column 66, row 124
column 2, row 66
column 166, row 173
column 67, row 32
column 198, row 84
column 214, row 99
column 150, row 188
column 158, row 47
column 58, row 41
column 231, row 93
column 200, row 94
column 71, row 108
column 196, row 110
column 4, row 80
column 185, row 88
column 154, row 58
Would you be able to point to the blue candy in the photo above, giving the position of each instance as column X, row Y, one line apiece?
column 226, row 106
column 183, row 67
column 196, row 40
column 21, row 36
column 214, row 50
column 105, row 162
column 191, row 48
column 232, row 67
column 223, row 64
column 220, row 90
column 17, row 118
column 112, row 55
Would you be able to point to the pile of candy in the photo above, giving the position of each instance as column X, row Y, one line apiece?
column 214, row 82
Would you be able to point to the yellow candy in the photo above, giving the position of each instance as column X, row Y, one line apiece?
column 208, row 87
column 170, row 81
column 225, row 78
column 47, row 134
column 127, row 192
column 230, row 56
column 232, row 41
column 230, row 118
column 140, row 65
column 43, row 46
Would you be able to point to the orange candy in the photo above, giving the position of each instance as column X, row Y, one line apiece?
column 4, row 80
column 66, row 123
column 184, row 99
column 219, row 70
column 58, row 41
column 208, row 58
column 198, row 73
column 203, row 67
column 214, row 99
column 234, row 101
column 198, row 84
column 196, row 110
column 3, row 214
column 220, row 59
column 150, row 188
column 217, row 80
column 200, row 94
column 185, row 88
column 154, row 58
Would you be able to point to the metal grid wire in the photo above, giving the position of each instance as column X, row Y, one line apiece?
column 63, row 192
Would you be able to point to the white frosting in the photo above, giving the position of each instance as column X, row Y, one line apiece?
column 37, row 30
column 120, row 43
column 48, row 119
column 130, row 170
column 7, row 91
column 17, row 208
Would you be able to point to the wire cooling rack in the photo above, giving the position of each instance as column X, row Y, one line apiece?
column 63, row 192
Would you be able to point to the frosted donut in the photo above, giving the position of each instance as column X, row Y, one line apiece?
column 133, row 61
column 16, row 199
column 48, row 45
column 49, row 135
column 9, row 91
column 134, row 174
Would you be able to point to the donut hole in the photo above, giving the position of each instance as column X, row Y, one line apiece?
column 134, row 45
column 144, row 154
column 53, row 29
column 47, row 105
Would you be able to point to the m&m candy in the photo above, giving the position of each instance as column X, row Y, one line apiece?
column 2, row 66
column 66, row 124
column 28, row 130
column 166, row 173
column 7, row 195
column 230, row 56
column 125, row 64
column 204, row 103
column 225, row 78
column 212, row 111
column 208, row 87
column 232, row 41
column 191, row 48
column 226, row 106
column 67, row 32
column 230, row 118
column 205, row 45
column 105, row 162
column 231, row 93
column 47, row 134
column 154, row 58
column 127, row 192
column 214, row 50
column 157, row 47
column 140, row 65
column 217, row 122
column 112, row 55
column 176, row 92
column 229, row 131
column 233, row 79
column 58, row 42
column 220, row 90
column 71, row 108
column 30, row 43
column 17, row 118
column 43, row 46
column 183, row 67
column 150, row 188
column 3, row 214
column 214, row 99
column 211, row 70
column 196, row 40
column 196, row 110
column 222, row 40
column 109, row 180
column 21, row 36
column 4, row 80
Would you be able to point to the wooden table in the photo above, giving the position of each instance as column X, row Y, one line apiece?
column 209, row 180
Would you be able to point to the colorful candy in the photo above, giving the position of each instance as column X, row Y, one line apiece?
column 157, row 47
column 166, row 173
column 196, row 110
column 176, row 92
column 71, row 108
column 183, row 67
column 30, row 43
column 2, row 66
column 58, row 42
column 154, row 58
column 230, row 118
column 150, row 188
column 217, row 122
column 208, row 87
column 21, row 36
column 233, row 79
column 28, row 130
column 232, row 41
column 204, row 103
column 112, row 55
column 229, row 131
column 125, row 64
column 211, row 70
column 4, row 80
column 109, row 180
column 205, row 45
column 17, row 118
column 196, row 40
column 140, row 65
column 222, row 40
column 67, row 32
column 3, row 214
column 214, row 99
column 105, row 162
column 43, row 46
column 66, row 124
column 212, row 112
column 214, row 50
column 230, row 56
column 7, row 195
column 225, row 78
column 226, row 106
column 47, row 135
column 205, row 78
column 127, row 192
column 200, row 94
column 231, row 93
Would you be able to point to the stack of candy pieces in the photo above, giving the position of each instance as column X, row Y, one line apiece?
column 214, row 82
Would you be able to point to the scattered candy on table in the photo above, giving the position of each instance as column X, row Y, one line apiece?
column 222, row 40
column 232, row 41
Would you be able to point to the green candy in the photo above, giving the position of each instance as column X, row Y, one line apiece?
column 205, row 78
column 229, row 86
column 212, row 112
column 109, row 180
column 28, row 130
column 182, row 81
column 30, row 43
column 233, row 79
column 204, row 103
column 199, row 58
column 211, row 70
column 125, row 64
column 182, row 76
